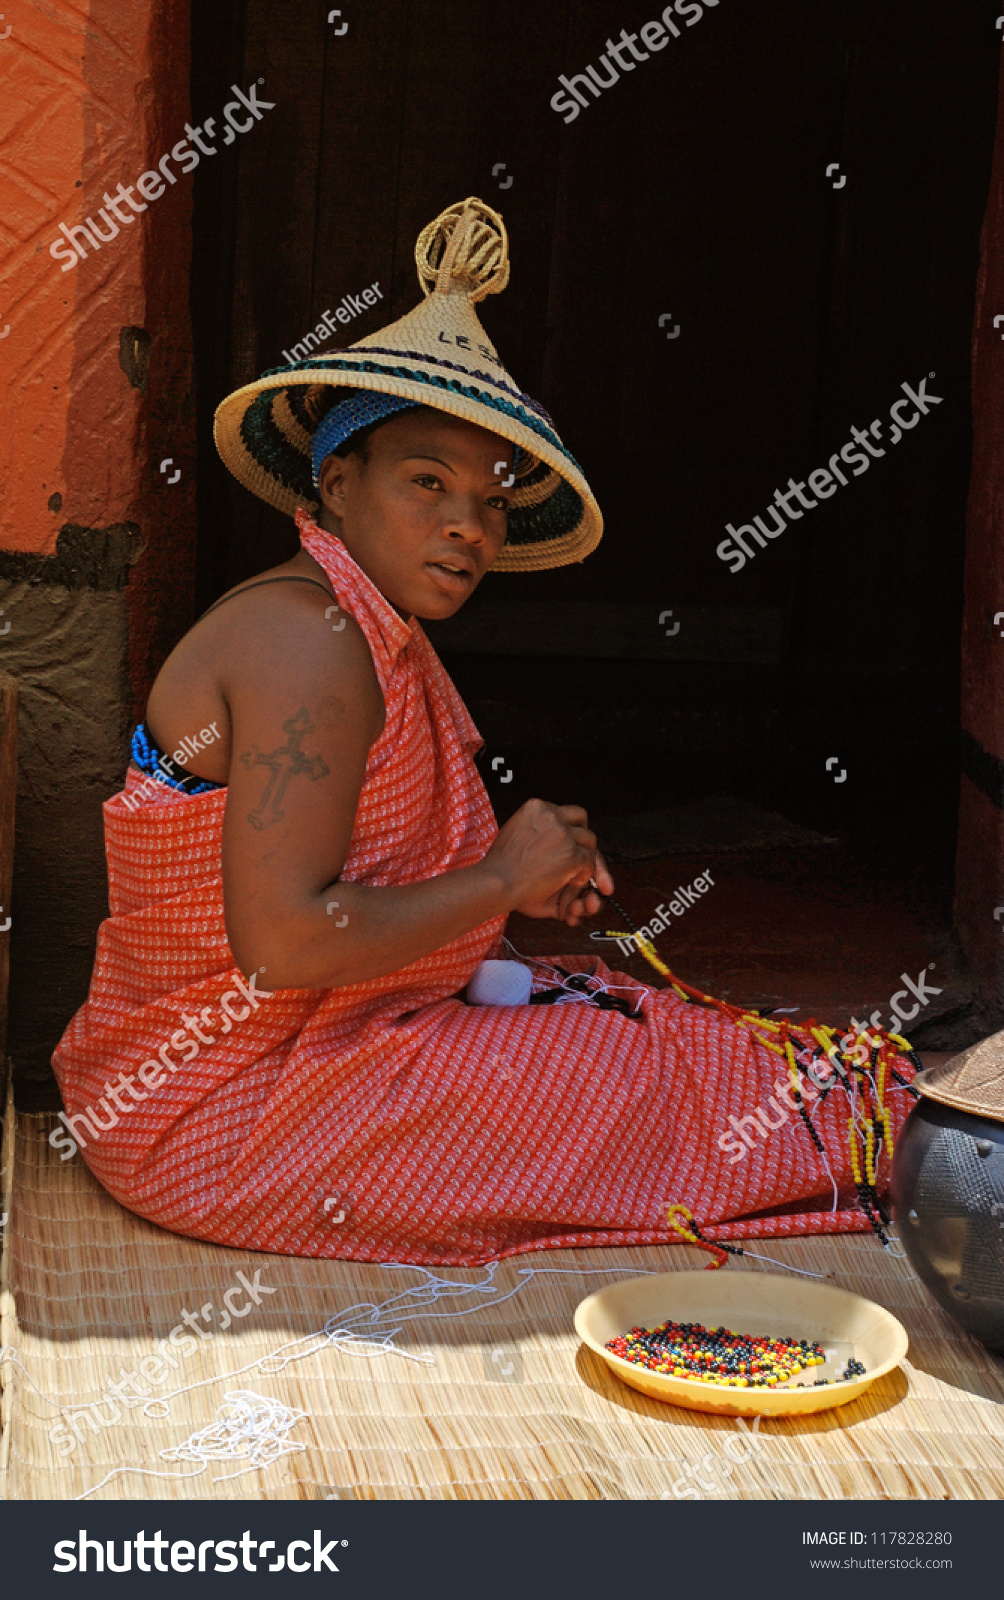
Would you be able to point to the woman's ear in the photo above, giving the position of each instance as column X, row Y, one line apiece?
column 331, row 484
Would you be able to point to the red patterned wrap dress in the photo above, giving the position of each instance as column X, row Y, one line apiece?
column 390, row 1120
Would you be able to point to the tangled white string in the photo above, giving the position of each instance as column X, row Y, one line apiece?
column 261, row 1434
column 548, row 978
column 249, row 1427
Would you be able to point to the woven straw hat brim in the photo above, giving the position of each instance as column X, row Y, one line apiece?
column 437, row 355
column 287, row 483
column 972, row 1081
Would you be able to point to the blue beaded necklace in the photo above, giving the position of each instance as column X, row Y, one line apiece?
column 153, row 761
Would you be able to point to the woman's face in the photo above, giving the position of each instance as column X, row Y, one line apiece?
column 425, row 514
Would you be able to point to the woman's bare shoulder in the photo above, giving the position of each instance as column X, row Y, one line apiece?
column 268, row 624
column 271, row 641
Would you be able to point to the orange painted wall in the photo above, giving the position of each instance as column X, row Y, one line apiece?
column 93, row 95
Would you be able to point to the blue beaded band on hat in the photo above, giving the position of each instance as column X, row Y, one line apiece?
column 359, row 409
column 346, row 417
column 149, row 759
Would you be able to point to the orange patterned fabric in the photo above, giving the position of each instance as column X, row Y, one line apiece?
column 389, row 1120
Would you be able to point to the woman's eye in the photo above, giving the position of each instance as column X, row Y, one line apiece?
column 428, row 480
column 497, row 503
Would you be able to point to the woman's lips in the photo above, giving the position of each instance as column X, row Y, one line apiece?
column 450, row 581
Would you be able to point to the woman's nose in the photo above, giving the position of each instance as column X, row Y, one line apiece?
column 464, row 521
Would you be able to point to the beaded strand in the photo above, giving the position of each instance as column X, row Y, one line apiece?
column 858, row 1081
column 682, row 1222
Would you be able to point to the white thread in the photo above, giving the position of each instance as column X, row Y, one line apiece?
column 144, row 1472
column 802, row 1271
column 898, row 1255
column 362, row 1329
column 555, row 980
column 248, row 1427
column 409, row 1304
column 266, row 1429
column 836, row 1195
column 574, row 995
column 8, row 1352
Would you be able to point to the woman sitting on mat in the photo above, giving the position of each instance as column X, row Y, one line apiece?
column 305, row 873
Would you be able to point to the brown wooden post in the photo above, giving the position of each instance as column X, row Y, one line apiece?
column 8, row 786
column 979, row 892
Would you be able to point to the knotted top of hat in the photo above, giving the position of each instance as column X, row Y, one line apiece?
column 972, row 1081
column 436, row 355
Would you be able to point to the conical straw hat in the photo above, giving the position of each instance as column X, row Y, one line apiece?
column 972, row 1081
column 437, row 355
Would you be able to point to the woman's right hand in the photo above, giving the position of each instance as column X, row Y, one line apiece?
column 546, row 855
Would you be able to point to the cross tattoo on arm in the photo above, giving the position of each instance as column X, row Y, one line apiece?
column 285, row 762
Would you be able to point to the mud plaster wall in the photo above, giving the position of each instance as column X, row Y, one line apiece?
column 96, row 548
column 69, row 659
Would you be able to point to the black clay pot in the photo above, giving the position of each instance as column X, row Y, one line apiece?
column 948, row 1199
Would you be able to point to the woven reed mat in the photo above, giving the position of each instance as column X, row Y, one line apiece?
column 512, row 1407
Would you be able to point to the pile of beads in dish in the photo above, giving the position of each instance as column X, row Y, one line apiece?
column 716, row 1355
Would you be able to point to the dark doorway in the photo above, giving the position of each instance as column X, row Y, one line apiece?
column 738, row 252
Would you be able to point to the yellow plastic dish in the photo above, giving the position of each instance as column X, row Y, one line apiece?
column 752, row 1303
